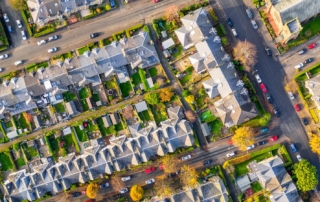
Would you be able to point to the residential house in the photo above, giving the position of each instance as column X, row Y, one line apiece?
column 106, row 121
column 289, row 15
column 37, row 121
column 71, row 108
column 115, row 119
column 273, row 177
column 243, row 183
column 66, row 131
column 205, row 129
column 175, row 112
column 141, row 106
column 313, row 85
column 98, row 159
column 235, row 106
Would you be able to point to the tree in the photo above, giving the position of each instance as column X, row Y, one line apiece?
column 171, row 13
column 169, row 163
column 63, row 152
column 18, row 4
column 163, row 186
column 108, row 7
column 202, row 92
column 190, row 116
column 116, row 183
column 27, row 117
column 189, row 176
column 291, row 86
column 243, row 137
column 152, row 98
column 306, row 174
column 246, row 53
column 165, row 94
column 190, row 99
column 185, row 93
column 136, row 192
column 315, row 144
column 92, row 190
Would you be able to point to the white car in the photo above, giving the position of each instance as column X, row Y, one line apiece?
column 51, row 50
column 250, row 147
column 4, row 56
column 299, row 65
column 19, row 23
column 52, row 38
column 231, row 154
column 124, row 190
column 299, row 157
column 104, row 185
column 19, row 62
column 290, row 95
column 258, row 78
column 24, row 37
column 150, row 181
column 1, row 69
column 5, row 16
column 234, row 32
column 126, row 178
column 186, row 157
column 42, row 42
column 254, row 24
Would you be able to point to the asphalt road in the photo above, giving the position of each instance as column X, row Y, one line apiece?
column 272, row 75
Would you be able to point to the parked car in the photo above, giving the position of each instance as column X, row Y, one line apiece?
column 19, row 23
column 299, row 65
column 263, row 88
column 104, row 185
column 309, row 60
column 234, row 32
column 172, row 174
column 156, row 1
column 5, row 16
column 293, row 148
column 297, row 107
column 249, row 13
column 313, row 45
column 149, row 170
column 4, row 56
column 262, row 142
column 302, row 51
column 273, row 138
column 231, row 154
column 52, row 38
column 229, row 22
column 268, row 51
column 291, row 95
column 112, row 4
column 254, row 24
column 299, row 157
column 250, row 147
column 150, row 181
column 258, row 78
column 19, row 62
column 276, row 112
column 76, row 194
column 186, row 157
column 24, row 37
column 304, row 121
column 94, row 35
column 264, row 130
column 207, row 162
column 269, row 98
column 41, row 42
column 1, row 69
column 124, row 190
column 51, row 50
column 127, row 178
column 10, row 29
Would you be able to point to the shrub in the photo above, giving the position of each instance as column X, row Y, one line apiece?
column 25, row 19
column 130, row 30
column 108, row 7
column 314, row 115
column 44, row 30
column 116, row 36
column 222, row 28
column 143, row 77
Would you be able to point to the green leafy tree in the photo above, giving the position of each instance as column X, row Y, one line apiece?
column 152, row 98
column 306, row 175
column 185, row 93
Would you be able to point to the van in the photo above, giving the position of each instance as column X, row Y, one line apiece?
column 249, row 13
column 24, row 37
column 18, row 63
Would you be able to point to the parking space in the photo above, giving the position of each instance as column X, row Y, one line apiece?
column 15, row 38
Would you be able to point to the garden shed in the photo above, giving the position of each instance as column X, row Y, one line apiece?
column 167, row 43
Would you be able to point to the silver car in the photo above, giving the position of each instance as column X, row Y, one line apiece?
column 254, row 24
column 299, row 65
column 249, row 13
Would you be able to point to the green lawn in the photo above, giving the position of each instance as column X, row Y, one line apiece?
column 84, row 93
column 92, row 127
column 82, row 135
column 180, row 50
column 67, row 96
column 136, row 80
column 20, row 162
column 216, row 126
column 30, row 151
column 5, row 161
column 103, row 129
column 111, row 130
column 144, row 115
column 85, row 105
column 153, row 71
column 159, row 112
column 242, row 169
column 256, row 187
column 8, row 124
column 199, row 101
column 207, row 117
column 54, row 143
column 68, row 139
column 125, row 88
column 185, row 79
column 60, row 107
column 110, row 84
column 95, row 97
column 83, row 49
column 23, row 122
column 118, row 127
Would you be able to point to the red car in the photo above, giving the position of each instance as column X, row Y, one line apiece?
column 161, row 167
column 90, row 200
column 149, row 170
column 297, row 107
column 155, row 1
column 273, row 138
column 263, row 88
column 313, row 45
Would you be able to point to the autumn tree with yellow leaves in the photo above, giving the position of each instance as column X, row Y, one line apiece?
column 92, row 190
column 189, row 176
column 169, row 163
column 315, row 144
column 243, row 137
column 136, row 192
column 163, row 186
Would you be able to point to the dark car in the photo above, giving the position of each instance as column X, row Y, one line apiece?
column 293, row 148
column 268, row 51
column 76, row 194
column 276, row 112
column 172, row 174
column 229, row 22
column 94, row 35
column 308, row 60
column 262, row 142
column 269, row 98
column 207, row 162
column 264, row 130
column 305, row 121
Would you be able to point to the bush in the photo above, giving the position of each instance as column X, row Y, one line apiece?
column 146, row 29
column 314, row 115
column 143, row 77
column 132, row 29
column 222, row 28
column 25, row 19
column 44, row 30
column 116, row 36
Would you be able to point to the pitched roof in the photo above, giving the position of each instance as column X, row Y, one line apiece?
column 211, row 87
column 71, row 108
column 141, row 106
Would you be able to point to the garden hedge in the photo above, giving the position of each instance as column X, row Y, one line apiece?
column 118, row 35
column 222, row 28
column 74, row 138
column 133, row 29
column 45, row 30
column 143, row 77
column 284, row 152
column 196, row 140
column 307, row 70
column 25, row 19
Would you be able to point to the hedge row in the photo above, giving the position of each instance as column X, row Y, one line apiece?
column 285, row 154
column 306, row 70
column 314, row 115
column 118, row 35
column 143, row 77
column 46, row 30
column 76, row 144
column 25, row 19
column 133, row 29
column 196, row 140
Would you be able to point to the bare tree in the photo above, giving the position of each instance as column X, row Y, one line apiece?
column 172, row 13
column 190, row 116
column 291, row 87
column 246, row 53
column 163, row 186
column 189, row 176
column 116, row 183
column 161, row 81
